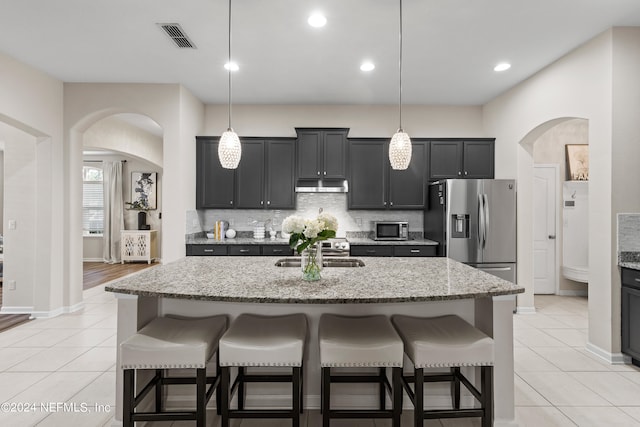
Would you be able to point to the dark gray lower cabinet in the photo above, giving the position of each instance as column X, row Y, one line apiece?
column 394, row 250
column 371, row 250
column 631, row 314
column 238, row 250
column 417, row 250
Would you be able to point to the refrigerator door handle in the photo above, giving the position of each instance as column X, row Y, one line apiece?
column 486, row 220
column 480, row 221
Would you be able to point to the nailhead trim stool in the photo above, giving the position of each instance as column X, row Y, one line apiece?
column 361, row 342
column 171, row 342
column 262, row 341
column 447, row 341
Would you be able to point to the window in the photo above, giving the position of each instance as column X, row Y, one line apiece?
column 92, row 201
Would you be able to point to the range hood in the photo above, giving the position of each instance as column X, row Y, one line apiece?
column 322, row 186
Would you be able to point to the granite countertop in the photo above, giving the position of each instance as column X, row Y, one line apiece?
column 193, row 240
column 360, row 241
column 258, row 280
column 629, row 260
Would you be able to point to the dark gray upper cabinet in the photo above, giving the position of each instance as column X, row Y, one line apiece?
column 407, row 188
column 214, row 184
column 264, row 178
column 368, row 169
column 322, row 153
column 280, row 169
column 374, row 185
column 461, row 159
column 250, row 176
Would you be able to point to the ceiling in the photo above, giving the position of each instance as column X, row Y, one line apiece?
column 450, row 46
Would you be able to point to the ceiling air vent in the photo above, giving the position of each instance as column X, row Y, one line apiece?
column 175, row 32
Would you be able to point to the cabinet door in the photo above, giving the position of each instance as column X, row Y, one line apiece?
column 371, row 250
column 445, row 159
column 407, row 188
column 250, row 176
column 206, row 250
column 631, row 322
column 334, row 155
column 414, row 250
column 276, row 250
column 368, row 166
column 309, row 145
column 244, row 250
column 214, row 184
column 280, row 192
column 478, row 159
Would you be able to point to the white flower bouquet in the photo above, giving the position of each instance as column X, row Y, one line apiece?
column 307, row 232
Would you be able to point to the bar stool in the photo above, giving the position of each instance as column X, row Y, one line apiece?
column 170, row 342
column 360, row 342
column 262, row 341
column 447, row 341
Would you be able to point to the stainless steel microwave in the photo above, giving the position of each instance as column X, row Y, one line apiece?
column 391, row 230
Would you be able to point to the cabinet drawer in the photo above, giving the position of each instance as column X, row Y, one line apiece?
column 276, row 250
column 206, row 250
column 372, row 250
column 418, row 250
column 248, row 250
column 631, row 278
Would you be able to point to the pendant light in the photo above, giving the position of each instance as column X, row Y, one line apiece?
column 229, row 149
column 400, row 145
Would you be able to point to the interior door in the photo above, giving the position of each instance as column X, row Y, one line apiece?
column 545, row 181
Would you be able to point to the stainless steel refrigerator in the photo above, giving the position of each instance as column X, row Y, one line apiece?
column 474, row 222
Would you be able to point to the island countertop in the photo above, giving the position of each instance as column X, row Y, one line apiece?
column 258, row 280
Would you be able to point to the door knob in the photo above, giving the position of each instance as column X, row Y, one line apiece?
column 552, row 236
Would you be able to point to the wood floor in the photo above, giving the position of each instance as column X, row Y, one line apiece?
column 97, row 273
column 93, row 274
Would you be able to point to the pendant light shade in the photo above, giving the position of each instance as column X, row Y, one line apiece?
column 400, row 145
column 400, row 150
column 229, row 149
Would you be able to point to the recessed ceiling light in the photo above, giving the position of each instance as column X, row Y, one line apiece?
column 367, row 66
column 317, row 20
column 503, row 66
column 231, row 66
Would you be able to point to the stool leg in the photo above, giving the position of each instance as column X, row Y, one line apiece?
column 396, row 383
column 201, row 397
column 128, row 397
column 159, row 389
column 455, row 388
column 326, row 396
column 224, row 391
column 486, row 379
column 301, row 388
column 382, row 373
column 241, row 388
column 218, row 392
column 418, row 407
column 295, row 393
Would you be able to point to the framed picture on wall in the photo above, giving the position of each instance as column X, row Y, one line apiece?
column 578, row 161
column 143, row 190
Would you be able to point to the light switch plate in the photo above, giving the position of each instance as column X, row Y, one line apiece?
column 12, row 224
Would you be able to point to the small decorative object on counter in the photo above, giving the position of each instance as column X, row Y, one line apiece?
column 230, row 234
column 305, row 234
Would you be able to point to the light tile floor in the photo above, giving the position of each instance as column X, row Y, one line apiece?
column 71, row 360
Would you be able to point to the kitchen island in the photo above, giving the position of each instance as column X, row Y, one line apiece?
column 198, row 286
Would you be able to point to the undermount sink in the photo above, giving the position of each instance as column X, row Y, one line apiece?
column 326, row 262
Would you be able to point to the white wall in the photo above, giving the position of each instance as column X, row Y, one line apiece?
column 576, row 86
column 31, row 101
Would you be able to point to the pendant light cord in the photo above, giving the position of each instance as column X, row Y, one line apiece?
column 229, row 65
column 400, row 85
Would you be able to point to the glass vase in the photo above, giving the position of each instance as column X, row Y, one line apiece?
column 311, row 263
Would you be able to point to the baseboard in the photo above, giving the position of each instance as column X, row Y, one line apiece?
column 92, row 259
column 612, row 358
column 41, row 314
column 574, row 293
column 525, row 310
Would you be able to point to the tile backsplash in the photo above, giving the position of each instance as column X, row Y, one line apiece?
column 628, row 233
column 307, row 206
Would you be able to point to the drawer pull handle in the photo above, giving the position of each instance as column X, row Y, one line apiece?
column 637, row 279
column 371, row 251
column 415, row 251
column 244, row 251
column 277, row 251
column 208, row 250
